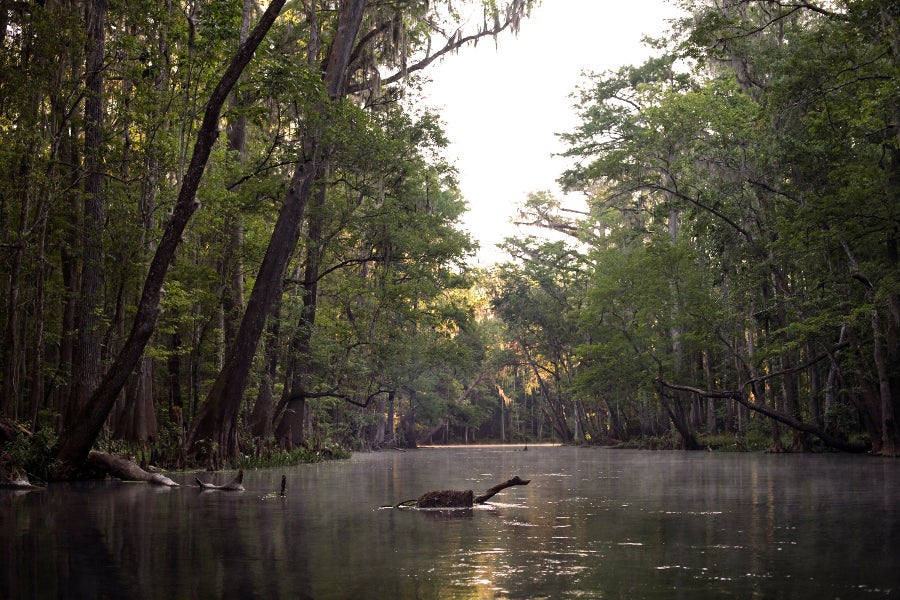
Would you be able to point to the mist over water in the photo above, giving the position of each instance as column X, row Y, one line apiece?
column 592, row 523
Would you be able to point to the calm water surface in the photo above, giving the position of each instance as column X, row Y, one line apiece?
column 592, row 524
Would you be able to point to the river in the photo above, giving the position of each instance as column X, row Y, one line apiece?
column 593, row 523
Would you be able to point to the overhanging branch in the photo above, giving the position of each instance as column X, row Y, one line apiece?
column 453, row 43
column 770, row 412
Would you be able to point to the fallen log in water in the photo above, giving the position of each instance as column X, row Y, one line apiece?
column 446, row 499
column 16, row 481
column 125, row 469
column 235, row 485
column 459, row 499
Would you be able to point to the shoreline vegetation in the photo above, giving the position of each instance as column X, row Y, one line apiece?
column 18, row 468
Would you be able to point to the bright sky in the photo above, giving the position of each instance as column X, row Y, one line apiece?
column 503, row 105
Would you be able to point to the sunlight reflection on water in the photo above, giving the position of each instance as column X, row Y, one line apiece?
column 592, row 524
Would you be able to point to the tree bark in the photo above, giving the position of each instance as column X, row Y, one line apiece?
column 232, row 267
column 890, row 444
column 86, row 368
column 291, row 431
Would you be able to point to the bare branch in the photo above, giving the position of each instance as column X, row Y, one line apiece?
column 740, row 396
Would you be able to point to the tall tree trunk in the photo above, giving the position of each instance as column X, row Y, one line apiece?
column 10, row 352
column 290, row 432
column 86, row 367
column 134, row 417
column 69, row 273
column 711, row 421
column 37, row 364
column 233, row 267
column 555, row 404
column 391, row 438
column 815, row 392
column 76, row 442
column 380, row 422
column 263, row 414
column 831, row 386
column 890, row 440
column 216, row 422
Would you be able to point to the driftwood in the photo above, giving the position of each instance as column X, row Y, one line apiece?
column 446, row 499
column 126, row 469
column 235, row 485
column 500, row 487
column 459, row 499
column 16, row 481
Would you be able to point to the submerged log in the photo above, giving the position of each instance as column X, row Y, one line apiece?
column 16, row 481
column 125, row 469
column 235, row 485
column 446, row 499
column 460, row 499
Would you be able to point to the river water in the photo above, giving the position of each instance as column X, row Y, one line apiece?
column 593, row 523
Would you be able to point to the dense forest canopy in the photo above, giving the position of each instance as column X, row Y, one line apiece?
column 229, row 230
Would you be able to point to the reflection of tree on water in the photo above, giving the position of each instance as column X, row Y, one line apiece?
column 598, row 523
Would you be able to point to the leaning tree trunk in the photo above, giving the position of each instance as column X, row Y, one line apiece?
column 76, row 441
column 291, row 430
column 216, row 422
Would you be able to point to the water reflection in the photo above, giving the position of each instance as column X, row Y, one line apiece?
column 592, row 524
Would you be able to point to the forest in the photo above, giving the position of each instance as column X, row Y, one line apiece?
column 230, row 236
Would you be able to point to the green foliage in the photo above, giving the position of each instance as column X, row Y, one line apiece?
column 32, row 454
column 743, row 218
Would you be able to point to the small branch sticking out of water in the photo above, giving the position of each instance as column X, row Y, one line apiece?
column 500, row 486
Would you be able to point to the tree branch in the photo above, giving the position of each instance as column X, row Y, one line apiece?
column 772, row 413
column 453, row 43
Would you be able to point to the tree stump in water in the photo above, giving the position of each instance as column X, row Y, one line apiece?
column 446, row 499
column 461, row 499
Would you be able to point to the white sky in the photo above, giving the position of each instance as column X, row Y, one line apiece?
column 502, row 105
